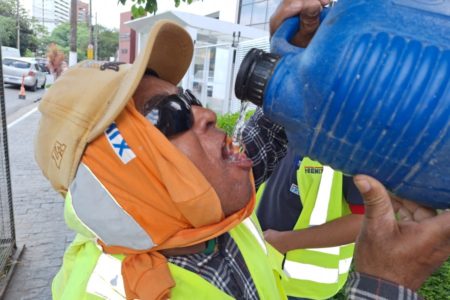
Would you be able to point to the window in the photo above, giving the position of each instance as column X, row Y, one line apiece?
column 259, row 12
column 246, row 15
column 256, row 13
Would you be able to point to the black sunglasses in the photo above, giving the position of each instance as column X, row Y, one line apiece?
column 172, row 114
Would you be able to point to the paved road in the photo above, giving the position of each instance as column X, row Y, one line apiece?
column 14, row 105
column 38, row 210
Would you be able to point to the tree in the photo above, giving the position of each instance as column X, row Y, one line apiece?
column 42, row 37
column 141, row 7
column 108, row 40
column 60, row 36
column 8, row 27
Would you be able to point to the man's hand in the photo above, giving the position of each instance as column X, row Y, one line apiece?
column 309, row 12
column 407, row 251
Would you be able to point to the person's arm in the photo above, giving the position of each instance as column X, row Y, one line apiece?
column 334, row 233
column 394, row 257
column 265, row 144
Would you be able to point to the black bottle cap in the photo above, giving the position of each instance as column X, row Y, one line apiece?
column 254, row 73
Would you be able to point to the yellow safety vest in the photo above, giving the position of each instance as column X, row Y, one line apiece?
column 88, row 273
column 321, row 272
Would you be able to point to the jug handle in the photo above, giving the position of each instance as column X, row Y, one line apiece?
column 279, row 44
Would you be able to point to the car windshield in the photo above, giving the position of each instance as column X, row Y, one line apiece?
column 16, row 63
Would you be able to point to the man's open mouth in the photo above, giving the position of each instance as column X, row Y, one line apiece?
column 232, row 152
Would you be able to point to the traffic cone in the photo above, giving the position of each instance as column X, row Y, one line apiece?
column 22, row 90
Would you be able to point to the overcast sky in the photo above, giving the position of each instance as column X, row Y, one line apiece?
column 108, row 12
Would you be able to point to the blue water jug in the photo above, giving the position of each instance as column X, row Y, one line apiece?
column 369, row 95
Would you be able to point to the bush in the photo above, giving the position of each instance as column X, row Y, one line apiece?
column 227, row 121
column 437, row 287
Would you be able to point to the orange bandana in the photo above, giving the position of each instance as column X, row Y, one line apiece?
column 164, row 193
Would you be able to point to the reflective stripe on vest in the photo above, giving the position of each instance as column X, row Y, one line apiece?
column 303, row 271
column 109, row 221
column 106, row 280
column 318, row 273
column 252, row 228
column 318, row 217
column 320, row 211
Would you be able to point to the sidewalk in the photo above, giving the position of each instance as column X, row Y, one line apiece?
column 39, row 220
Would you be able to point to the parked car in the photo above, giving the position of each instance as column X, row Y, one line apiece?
column 15, row 67
column 43, row 62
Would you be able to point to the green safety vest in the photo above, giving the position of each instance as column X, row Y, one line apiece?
column 321, row 272
column 317, row 273
column 88, row 273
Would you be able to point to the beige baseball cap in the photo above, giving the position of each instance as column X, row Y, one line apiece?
column 87, row 98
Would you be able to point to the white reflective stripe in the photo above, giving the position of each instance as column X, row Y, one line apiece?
column 301, row 271
column 101, row 213
column 320, row 211
column 328, row 250
column 249, row 224
column 106, row 280
column 344, row 265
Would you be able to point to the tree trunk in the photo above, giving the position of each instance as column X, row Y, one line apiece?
column 73, row 33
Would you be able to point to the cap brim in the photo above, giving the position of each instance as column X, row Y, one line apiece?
column 168, row 51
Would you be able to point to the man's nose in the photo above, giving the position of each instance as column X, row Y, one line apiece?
column 203, row 118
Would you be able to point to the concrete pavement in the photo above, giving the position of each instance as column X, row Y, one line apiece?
column 38, row 212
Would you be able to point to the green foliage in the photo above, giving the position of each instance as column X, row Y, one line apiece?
column 60, row 36
column 437, row 287
column 141, row 7
column 42, row 38
column 8, row 27
column 226, row 122
column 28, row 53
column 108, row 40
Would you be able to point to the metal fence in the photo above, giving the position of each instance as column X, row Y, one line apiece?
column 7, row 229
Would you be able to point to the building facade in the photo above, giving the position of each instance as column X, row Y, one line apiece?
column 223, row 31
column 83, row 12
column 51, row 13
column 127, row 39
column 256, row 13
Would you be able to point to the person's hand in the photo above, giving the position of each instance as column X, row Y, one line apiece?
column 410, row 211
column 309, row 12
column 276, row 239
column 406, row 251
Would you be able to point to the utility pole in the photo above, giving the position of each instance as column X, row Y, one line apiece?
column 73, row 33
column 91, row 29
column 18, row 26
column 96, row 38
column 90, row 49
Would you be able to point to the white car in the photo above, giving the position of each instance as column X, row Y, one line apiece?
column 14, row 68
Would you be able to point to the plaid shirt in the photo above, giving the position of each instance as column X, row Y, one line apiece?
column 265, row 144
column 225, row 268
column 362, row 286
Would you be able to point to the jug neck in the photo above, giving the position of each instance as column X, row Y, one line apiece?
column 254, row 73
